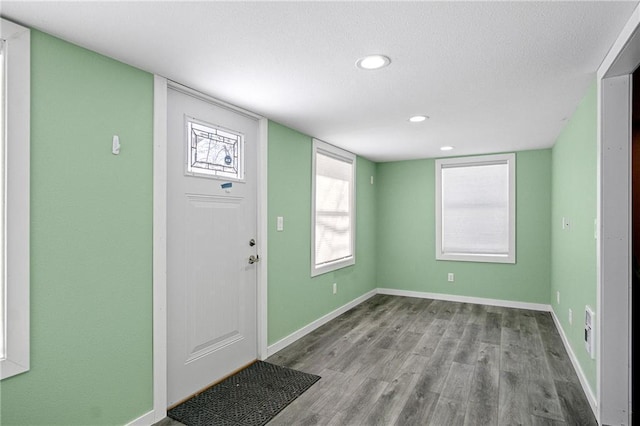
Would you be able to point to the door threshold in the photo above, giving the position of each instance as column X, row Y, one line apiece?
column 237, row 370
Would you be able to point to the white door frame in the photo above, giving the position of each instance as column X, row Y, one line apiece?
column 614, row 80
column 160, row 87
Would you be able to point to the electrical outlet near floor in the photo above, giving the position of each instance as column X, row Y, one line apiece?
column 570, row 317
column 335, row 288
column 450, row 277
column 558, row 297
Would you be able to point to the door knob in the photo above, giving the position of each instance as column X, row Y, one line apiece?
column 253, row 259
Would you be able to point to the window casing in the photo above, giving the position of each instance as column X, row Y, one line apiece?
column 475, row 209
column 14, row 143
column 333, row 208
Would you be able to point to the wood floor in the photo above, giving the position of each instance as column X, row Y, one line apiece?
column 407, row 361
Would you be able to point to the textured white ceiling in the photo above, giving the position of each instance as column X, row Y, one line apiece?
column 492, row 76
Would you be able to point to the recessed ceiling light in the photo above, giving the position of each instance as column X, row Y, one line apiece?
column 373, row 62
column 418, row 118
column 446, row 148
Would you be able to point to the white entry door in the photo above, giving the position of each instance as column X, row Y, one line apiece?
column 211, row 225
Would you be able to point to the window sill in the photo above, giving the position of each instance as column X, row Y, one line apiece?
column 484, row 258
column 333, row 266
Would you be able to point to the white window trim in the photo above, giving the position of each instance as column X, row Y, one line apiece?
column 509, row 159
column 17, row 138
column 332, row 151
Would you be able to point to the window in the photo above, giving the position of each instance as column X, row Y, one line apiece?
column 475, row 209
column 14, row 198
column 214, row 151
column 333, row 208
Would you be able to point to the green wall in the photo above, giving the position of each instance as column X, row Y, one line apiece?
column 296, row 299
column 91, row 242
column 574, row 185
column 406, row 235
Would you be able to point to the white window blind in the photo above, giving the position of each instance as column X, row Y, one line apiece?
column 476, row 209
column 333, row 208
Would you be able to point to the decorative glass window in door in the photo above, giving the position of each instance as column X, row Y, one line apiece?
column 213, row 151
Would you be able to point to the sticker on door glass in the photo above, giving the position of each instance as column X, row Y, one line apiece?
column 214, row 152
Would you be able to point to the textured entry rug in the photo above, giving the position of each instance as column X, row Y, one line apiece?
column 250, row 397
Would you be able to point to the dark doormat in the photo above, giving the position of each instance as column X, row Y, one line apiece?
column 250, row 397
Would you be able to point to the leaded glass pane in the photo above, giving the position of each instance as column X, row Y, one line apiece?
column 215, row 152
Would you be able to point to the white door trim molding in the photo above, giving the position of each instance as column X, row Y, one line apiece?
column 204, row 97
column 613, row 337
column 159, row 248
column 15, row 144
column 614, row 250
column 160, row 87
column 263, row 234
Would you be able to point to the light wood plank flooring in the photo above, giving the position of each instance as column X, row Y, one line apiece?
column 407, row 361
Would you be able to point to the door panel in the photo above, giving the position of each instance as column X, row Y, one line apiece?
column 211, row 286
column 212, row 224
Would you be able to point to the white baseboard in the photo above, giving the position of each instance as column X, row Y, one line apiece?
column 467, row 299
column 286, row 341
column 576, row 366
column 146, row 419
